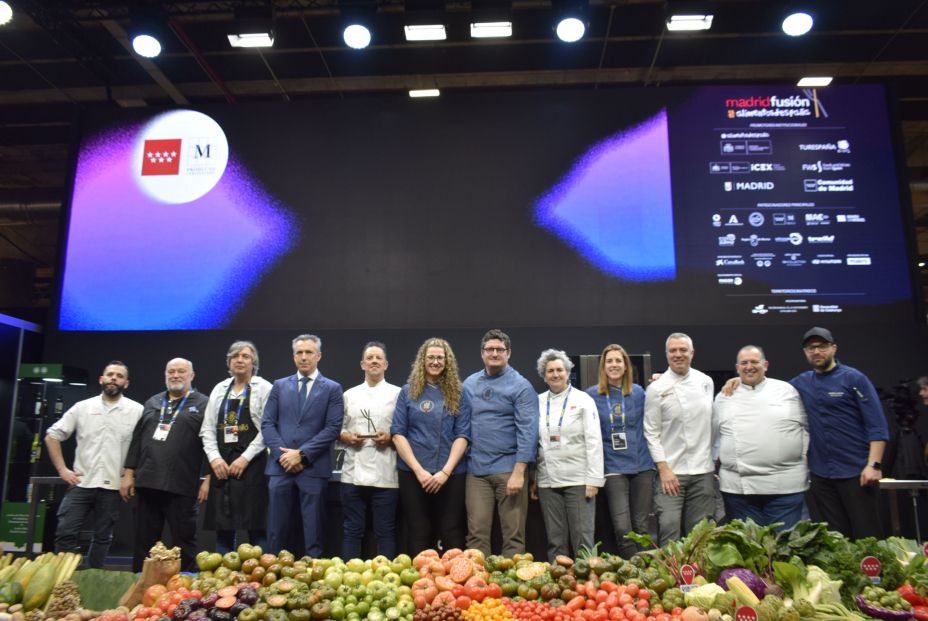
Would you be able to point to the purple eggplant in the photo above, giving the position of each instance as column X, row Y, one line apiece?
column 881, row 613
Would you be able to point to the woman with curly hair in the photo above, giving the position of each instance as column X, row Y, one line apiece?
column 431, row 430
column 628, row 464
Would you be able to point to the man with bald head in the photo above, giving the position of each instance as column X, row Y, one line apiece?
column 762, row 435
column 164, row 464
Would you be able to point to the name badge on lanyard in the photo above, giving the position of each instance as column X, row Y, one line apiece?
column 231, row 428
column 230, row 434
column 164, row 427
column 554, row 433
column 161, row 432
column 619, row 436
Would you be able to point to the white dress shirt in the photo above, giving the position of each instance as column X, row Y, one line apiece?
column 577, row 458
column 762, row 434
column 260, row 391
column 678, row 421
column 104, row 432
column 370, row 465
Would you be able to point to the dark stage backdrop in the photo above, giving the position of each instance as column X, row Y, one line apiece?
column 755, row 205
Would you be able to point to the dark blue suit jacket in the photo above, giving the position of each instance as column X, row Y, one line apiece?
column 311, row 429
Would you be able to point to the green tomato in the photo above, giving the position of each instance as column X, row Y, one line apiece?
column 408, row 576
column 393, row 579
column 392, row 612
column 406, row 607
column 333, row 579
column 401, row 562
column 357, row 565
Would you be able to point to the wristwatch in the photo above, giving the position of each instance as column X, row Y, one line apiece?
column 875, row 465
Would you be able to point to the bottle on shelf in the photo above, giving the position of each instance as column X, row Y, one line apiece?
column 59, row 407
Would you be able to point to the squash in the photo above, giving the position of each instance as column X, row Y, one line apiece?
column 40, row 587
column 11, row 593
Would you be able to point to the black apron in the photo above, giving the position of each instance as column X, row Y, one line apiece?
column 237, row 504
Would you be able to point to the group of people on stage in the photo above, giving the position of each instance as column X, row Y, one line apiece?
column 453, row 454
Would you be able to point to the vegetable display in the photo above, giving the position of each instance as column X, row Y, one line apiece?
column 806, row 573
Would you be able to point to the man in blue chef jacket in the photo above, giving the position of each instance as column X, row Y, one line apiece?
column 302, row 419
column 847, row 436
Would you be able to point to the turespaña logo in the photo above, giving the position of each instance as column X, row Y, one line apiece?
column 180, row 156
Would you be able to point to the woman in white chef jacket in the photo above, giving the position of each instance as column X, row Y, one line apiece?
column 570, row 458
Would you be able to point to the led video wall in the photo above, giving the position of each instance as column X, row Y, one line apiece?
column 711, row 205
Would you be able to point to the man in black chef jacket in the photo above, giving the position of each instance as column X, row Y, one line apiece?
column 164, row 464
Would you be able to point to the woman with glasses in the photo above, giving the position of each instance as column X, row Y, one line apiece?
column 431, row 430
column 627, row 462
column 570, row 458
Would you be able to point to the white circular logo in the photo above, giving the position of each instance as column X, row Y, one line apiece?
column 795, row 238
column 756, row 218
column 427, row 406
column 180, row 156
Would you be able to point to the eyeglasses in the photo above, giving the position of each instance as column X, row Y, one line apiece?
column 435, row 358
column 818, row 347
column 495, row 350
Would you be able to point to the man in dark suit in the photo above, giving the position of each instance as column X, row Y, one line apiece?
column 302, row 419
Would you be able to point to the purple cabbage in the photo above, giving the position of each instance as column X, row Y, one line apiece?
column 752, row 580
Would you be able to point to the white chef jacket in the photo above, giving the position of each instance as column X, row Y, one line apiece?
column 762, row 434
column 578, row 456
column 370, row 465
column 104, row 432
column 678, row 421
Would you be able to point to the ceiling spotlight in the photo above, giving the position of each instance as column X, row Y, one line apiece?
column 815, row 81
column 570, row 29
column 252, row 39
column 357, row 36
column 570, row 19
column 683, row 15
column 488, row 30
column 6, row 13
column 146, row 45
column 424, row 20
column 424, row 92
column 797, row 24
column 491, row 19
column 252, row 27
column 695, row 21
column 425, row 32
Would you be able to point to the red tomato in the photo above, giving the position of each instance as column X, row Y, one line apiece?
column 616, row 614
column 608, row 585
column 631, row 589
column 164, row 602
column 657, row 609
column 625, row 598
column 601, row 596
column 444, row 583
column 677, row 611
column 420, row 601
column 599, row 615
column 462, row 602
column 494, row 590
column 644, row 594
column 445, row 597
column 576, row 603
column 153, row 594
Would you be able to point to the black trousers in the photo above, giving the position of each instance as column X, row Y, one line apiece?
column 156, row 508
column 433, row 517
column 848, row 508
